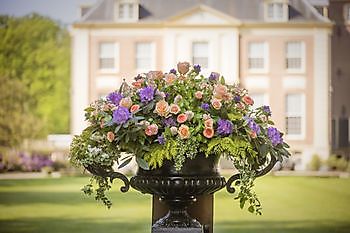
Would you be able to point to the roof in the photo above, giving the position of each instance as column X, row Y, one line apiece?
column 161, row 10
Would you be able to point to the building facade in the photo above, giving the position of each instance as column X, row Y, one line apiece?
column 278, row 49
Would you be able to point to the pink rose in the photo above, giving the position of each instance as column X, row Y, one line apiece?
column 151, row 130
column 134, row 108
column 181, row 118
column 174, row 108
column 198, row 95
column 170, row 78
column 219, row 91
column 216, row 103
column 162, row 108
column 110, row 136
column 155, row 75
column 248, row 100
column 189, row 115
column 184, row 131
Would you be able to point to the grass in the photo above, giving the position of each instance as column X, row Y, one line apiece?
column 291, row 205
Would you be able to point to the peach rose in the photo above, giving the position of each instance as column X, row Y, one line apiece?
column 208, row 132
column 162, row 108
column 137, row 84
column 227, row 97
column 126, row 102
column 134, row 108
column 151, row 130
column 209, row 123
column 181, row 118
column 184, row 131
column 170, row 78
column 240, row 106
column 183, row 67
column 110, row 136
column 198, row 95
column 248, row 100
column 206, row 116
column 155, row 75
column 216, row 103
column 174, row 108
column 219, row 91
column 252, row 134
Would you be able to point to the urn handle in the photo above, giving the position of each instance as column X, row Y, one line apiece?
column 263, row 169
column 109, row 173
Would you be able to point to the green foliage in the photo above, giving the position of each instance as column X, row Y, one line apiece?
column 158, row 153
column 34, row 72
column 231, row 147
column 315, row 163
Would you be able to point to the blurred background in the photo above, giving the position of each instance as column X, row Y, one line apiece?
column 58, row 56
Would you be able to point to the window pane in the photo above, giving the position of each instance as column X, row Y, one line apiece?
column 107, row 55
column 294, row 114
column 144, row 56
column 256, row 58
column 279, row 10
column 294, row 55
column 126, row 11
column 293, row 125
column 200, row 53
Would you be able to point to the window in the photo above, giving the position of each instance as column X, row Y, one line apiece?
column 144, row 56
column 347, row 13
column 126, row 11
column 257, row 56
column 107, row 56
column 276, row 11
column 200, row 54
column 294, row 114
column 295, row 56
column 259, row 99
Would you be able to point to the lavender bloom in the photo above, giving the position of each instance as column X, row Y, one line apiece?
column 274, row 135
column 214, row 76
column 237, row 98
column 267, row 110
column 173, row 71
column 197, row 68
column 146, row 94
column 121, row 115
column 225, row 127
column 161, row 139
column 205, row 106
column 168, row 122
column 252, row 125
column 114, row 97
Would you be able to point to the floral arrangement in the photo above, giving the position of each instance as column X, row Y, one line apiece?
column 176, row 116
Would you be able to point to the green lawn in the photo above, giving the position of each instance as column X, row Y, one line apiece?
column 300, row 205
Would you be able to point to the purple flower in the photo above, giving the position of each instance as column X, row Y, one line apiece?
column 173, row 71
column 146, row 94
column 197, row 68
column 114, row 97
column 225, row 127
column 121, row 115
column 267, row 110
column 252, row 125
column 161, row 139
column 274, row 135
column 237, row 98
column 205, row 106
column 214, row 76
column 168, row 122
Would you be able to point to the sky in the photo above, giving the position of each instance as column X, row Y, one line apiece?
column 65, row 11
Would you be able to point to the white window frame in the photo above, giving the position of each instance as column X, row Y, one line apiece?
column 284, row 10
column 265, row 69
column 347, row 13
column 208, row 55
column 116, row 53
column 264, row 95
column 300, row 136
column 303, row 60
column 135, row 11
column 153, row 57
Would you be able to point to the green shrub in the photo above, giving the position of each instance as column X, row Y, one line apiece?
column 315, row 163
column 336, row 163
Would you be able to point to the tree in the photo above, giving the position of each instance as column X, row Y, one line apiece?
column 34, row 73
